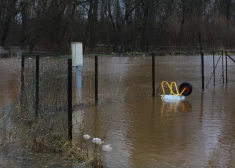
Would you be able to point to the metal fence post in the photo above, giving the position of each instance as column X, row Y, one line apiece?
column 153, row 74
column 37, row 87
column 226, row 66
column 69, row 94
column 214, row 66
column 202, row 66
column 22, row 74
column 223, row 65
column 96, row 79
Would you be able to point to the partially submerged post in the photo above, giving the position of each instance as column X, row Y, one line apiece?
column 22, row 81
column 226, row 66
column 69, row 94
column 214, row 66
column 96, row 79
column 202, row 59
column 22, row 74
column 202, row 66
column 223, row 65
column 153, row 75
column 77, row 61
column 77, row 57
column 37, row 86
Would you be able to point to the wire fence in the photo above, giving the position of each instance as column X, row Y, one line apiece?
column 44, row 89
column 123, row 76
column 40, row 113
column 52, row 85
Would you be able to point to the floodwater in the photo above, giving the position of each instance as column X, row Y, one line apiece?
column 148, row 132
column 145, row 131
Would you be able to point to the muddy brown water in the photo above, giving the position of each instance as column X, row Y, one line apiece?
column 145, row 131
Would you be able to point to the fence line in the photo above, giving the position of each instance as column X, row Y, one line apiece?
column 47, row 89
column 223, row 53
column 202, row 54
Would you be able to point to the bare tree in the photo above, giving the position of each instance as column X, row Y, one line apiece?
column 9, row 11
column 126, row 25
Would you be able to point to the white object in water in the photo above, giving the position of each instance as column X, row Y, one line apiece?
column 107, row 148
column 173, row 98
column 97, row 141
column 86, row 136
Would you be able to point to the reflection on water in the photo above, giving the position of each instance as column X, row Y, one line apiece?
column 183, row 106
column 151, row 133
column 146, row 131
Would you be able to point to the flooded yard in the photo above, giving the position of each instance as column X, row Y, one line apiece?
column 145, row 131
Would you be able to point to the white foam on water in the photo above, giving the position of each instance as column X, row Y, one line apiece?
column 173, row 98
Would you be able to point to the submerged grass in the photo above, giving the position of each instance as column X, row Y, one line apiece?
column 48, row 134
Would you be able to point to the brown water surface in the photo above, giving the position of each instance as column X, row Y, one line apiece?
column 148, row 132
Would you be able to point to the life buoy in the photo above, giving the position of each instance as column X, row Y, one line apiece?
column 187, row 87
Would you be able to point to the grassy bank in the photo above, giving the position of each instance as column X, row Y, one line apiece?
column 48, row 134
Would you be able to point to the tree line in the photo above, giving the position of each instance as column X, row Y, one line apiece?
column 118, row 25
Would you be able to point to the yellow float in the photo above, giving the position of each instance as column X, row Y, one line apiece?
column 175, row 94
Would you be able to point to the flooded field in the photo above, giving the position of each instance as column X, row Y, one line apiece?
column 145, row 131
